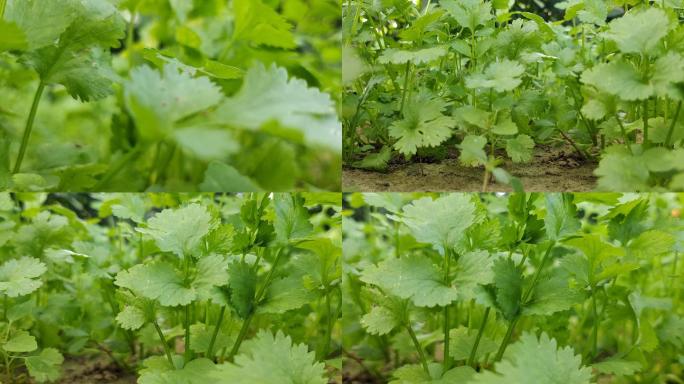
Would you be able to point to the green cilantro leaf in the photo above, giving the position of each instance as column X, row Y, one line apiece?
column 561, row 215
column 292, row 219
column 179, row 230
column 242, row 285
column 639, row 31
column 260, row 24
column 21, row 341
column 268, row 96
column 157, row 101
column 508, row 282
column 398, row 56
column 157, row 281
column 519, row 149
column 423, row 125
column 285, row 294
column 469, row 13
column 79, row 60
column 11, row 37
column 272, row 359
column 158, row 371
column 380, row 321
column 501, row 76
column 552, row 295
column 45, row 366
column 221, row 177
column 442, row 221
column 472, row 150
column 413, row 277
column 472, row 270
column 18, row 277
column 31, row 15
column 162, row 282
column 532, row 360
column 131, row 317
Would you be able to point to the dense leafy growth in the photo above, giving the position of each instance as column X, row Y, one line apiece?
column 486, row 78
column 171, row 288
column 519, row 288
column 173, row 95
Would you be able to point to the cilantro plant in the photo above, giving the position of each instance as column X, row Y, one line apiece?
column 492, row 82
column 494, row 288
column 134, row 95
column 172, row 288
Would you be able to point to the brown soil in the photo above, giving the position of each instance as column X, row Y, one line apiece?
column 92, row 371
column 552, row 169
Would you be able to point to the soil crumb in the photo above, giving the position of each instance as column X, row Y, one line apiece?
column 551, row 170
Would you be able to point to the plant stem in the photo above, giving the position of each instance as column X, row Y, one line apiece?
column 574, row 145
column 117, row 167
column 257, row 299
column 396, row 239
column 506, row 339
column 624, row 133
column 2, row 8
column 210, row 350
column 670, row 131
column 473, row 352
column 241, row 336
column 186, row 352
column 405, row 90
column 130, row 31
column 645, row 116
column 29, row 127
column 447, row 357
column 166, row 346
column 421, row 353
column 328, row 329
column 514, row 321
column 594, row 334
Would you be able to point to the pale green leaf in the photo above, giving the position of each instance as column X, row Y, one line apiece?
column 442, row 221
column 267, row 95
column 19, row 277
column 45, row 366
column 269, row 359
column 179, row 230
column 413, row 277
column 532, row 360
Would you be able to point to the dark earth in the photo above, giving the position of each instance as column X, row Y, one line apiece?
column 551, row 169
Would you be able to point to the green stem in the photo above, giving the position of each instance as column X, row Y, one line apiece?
column 506, row 339
column 167, row 351
column 670, row 131
column 29, row 127
column 405, row 90
column 2, row 8
column 210, row 350
column 594, row 334
column 130, row 31
column 447, row 357
column 241, row 336
column 645, row 116
column 480, row 332
column 396, row 239
column 117, row 167
column 421, row 353
column 187, row 353
column 511, row 326
column 258, row 297
column 328, row 329
column 624, row 133
column 537, row 273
